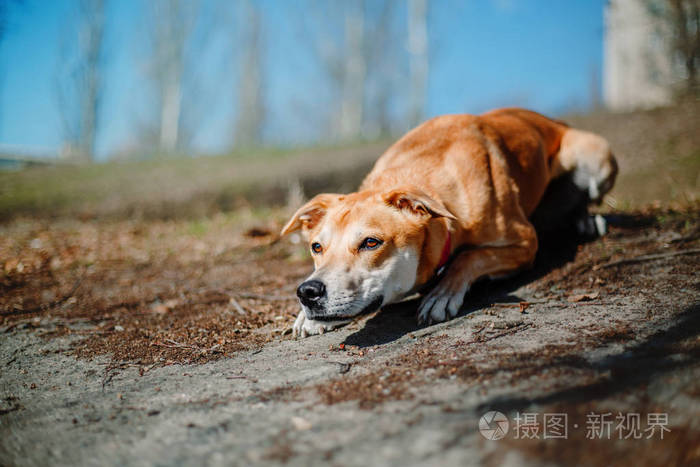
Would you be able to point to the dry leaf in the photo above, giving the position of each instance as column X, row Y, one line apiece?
column 301, row 424
column 583, row 297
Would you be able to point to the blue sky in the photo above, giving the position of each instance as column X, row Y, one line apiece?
column 543, row 54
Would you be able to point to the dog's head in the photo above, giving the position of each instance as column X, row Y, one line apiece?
column 369, row 249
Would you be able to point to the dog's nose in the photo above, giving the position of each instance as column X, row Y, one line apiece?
column 310, row 292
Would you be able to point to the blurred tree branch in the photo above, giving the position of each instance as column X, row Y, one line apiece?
column 4, row 21
column 418, row 50
column 173, row 22
column 79, row 80
column 678, row 24
column 250, row 114
column 359, row 57
column 179, row 37
column 685, row 19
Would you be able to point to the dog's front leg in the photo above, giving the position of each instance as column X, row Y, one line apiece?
column 304, row 327
column 446, row 298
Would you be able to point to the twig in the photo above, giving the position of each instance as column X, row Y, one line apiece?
column 46, row 306
column 643, row 258
column 522, row 304
column 237, row 306
column 342, row 366
column 14, row 406
column 111, row 373
column 688, row 238
column 179, row 345
column 14, row 325
column 175, row 345
column 252, row 380
column 512, row 330
column 143, row 370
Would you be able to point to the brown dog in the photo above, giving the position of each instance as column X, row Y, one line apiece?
column 458, row 187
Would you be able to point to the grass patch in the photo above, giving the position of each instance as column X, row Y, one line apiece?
column 674, row 180
column 182, row 187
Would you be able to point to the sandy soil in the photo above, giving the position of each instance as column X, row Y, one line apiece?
column 164, row 343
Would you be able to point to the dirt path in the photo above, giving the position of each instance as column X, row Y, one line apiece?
column 172, row 353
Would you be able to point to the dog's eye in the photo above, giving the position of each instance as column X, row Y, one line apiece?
column 316, row 247
column 370, row 243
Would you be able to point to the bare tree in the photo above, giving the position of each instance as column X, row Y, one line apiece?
column 354, row 44
column 685, row 19
column 171, row 23
column 384, row 58
column 250, row 113
column 4, row 20
column 676, row 25
column 418, row 51
column 354, row 71
column 341, row 56
column 80, row 83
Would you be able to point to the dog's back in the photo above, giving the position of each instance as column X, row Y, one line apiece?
column 536, row 150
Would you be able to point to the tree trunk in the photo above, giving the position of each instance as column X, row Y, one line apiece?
column 687, row 44
column 353, row 81
column 250, row 112
column 93, row 31
column 418, row 65
column 170, row 44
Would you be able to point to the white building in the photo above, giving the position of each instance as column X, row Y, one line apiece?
column 639, row 69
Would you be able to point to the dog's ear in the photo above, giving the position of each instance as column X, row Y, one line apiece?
column 417, row 202
column 311, row 213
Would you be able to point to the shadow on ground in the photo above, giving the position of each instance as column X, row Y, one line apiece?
column 663, row 352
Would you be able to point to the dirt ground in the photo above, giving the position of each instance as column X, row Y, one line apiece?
column 166, row 342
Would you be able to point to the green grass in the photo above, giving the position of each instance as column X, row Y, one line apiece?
column 179, row 187
column 670, row 180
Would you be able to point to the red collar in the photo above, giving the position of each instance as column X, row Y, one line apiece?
column 446, row 250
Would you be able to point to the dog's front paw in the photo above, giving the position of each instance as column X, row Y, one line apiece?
column 304, row 327
column 441, row 303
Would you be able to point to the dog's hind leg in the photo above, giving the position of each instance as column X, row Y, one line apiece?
column 583, row 171
column 497, row 260
column 564, row 208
